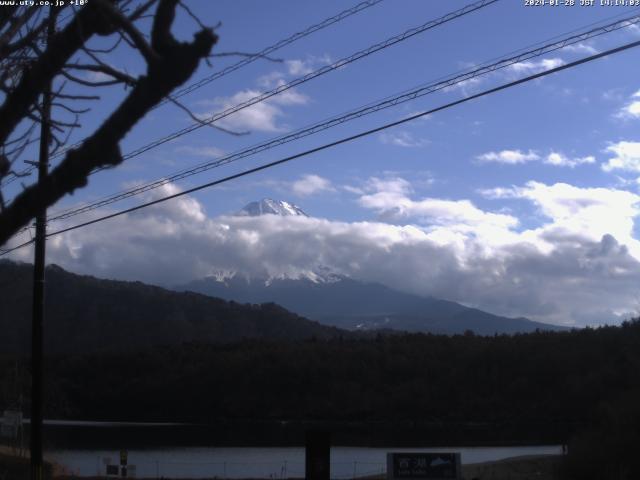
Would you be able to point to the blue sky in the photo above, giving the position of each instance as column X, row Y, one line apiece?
column 522, row 203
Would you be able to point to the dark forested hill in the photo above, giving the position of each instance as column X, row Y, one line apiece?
column 347, row 303
column 536, row 387
column 414, row 389
column 86, row 314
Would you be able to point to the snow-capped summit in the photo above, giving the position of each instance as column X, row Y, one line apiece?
column 268, row 206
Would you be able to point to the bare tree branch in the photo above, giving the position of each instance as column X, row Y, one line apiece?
column 15, row 27
column 60, row 123
column 202, row 122
column 6, row 16
column 15, row 153
column 126, row 40
column 89, row 83
column 21, row 137
column 67, row 96
column 127, row 26
column 161, row 38
column 69, row 109
column 7, row 49
column 105, row 50
column 140, row 11
column 62, row 143
column 191, row 14
column 63, row 45
column 121, row 77
column 176, row 63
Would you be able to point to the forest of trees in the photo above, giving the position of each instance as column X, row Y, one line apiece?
column 87, row 314
column 581, row 387
column 558, row 380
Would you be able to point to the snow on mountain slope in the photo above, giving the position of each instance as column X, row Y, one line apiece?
column 268, row 206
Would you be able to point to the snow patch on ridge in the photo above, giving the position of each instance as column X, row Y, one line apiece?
column 268, row 206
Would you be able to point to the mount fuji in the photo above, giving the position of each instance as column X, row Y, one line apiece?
column 348, row 303
column 268, row 206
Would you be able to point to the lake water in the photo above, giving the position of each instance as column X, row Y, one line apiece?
column 259, row 462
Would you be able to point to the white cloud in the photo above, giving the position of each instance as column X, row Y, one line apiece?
column 634, row 29
column 466, row 86
column 262, row 116
column 515, row 157
column 352, row 189
column 561, row 160
column 627, row 157
column 472, row 84
column 587, row 213
column 536, row 66
column 581, row 47
column 613, row 95
column 511, row 157
column 392, row 185
column 402, row 139
column 499, row 193
column 632, row 109
column 580, row 265
column 207, row 152
column 390, row 199
column 299, row 67
column 270, row 80
column 293, row 68
column 311, row 184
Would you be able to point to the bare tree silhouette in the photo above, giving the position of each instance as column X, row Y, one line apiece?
column 29, row 62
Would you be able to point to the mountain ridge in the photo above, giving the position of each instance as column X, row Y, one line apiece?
column 353, row 305
column 338, row 300
column 87, row 314
column 268, row 206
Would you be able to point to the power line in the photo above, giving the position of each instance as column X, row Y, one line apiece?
column 472, row 7
column 352, row 115
column 271, row 49
column 342, row 140
column 261, row 54
column 265, row 52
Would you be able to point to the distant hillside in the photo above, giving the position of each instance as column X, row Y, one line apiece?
column 85, row 314
column 353, row 305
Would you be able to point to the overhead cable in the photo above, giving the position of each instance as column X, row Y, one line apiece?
column 352, row 115
column 265, row 52
column 350, row 138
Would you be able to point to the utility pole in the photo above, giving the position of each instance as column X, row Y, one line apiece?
column 37, row 319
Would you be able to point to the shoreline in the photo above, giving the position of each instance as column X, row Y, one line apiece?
column 541, row 467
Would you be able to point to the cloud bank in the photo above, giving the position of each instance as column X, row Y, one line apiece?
column 579, row 266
